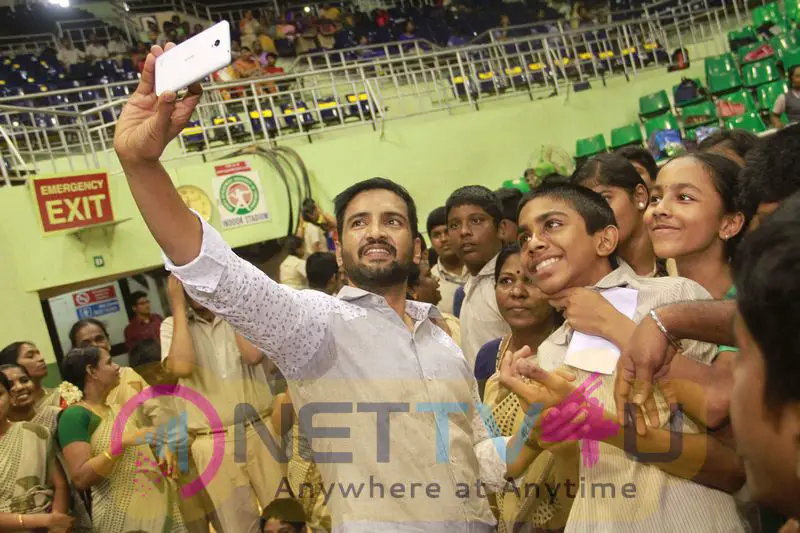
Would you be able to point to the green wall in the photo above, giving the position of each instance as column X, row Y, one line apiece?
column 431, row 155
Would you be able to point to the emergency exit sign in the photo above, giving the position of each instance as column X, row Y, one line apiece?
column 74, row 201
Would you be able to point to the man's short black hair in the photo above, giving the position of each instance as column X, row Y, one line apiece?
column 136, row 296
column 287, row 511
column 509, row 200
column 344, row 198
column 767, row 280
column 145, row 352
column 637, row 154
column 477, row 195
column 438, row 217
column 592, row 207
column 294, row 244
column 738, row 141
column 771, row 170
column 321, row 267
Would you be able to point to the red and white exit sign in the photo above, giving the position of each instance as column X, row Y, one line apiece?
column 73, row 201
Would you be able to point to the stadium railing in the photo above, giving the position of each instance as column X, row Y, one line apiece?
column 43, row 133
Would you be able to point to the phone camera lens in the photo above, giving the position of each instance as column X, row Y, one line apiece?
column 216, row 43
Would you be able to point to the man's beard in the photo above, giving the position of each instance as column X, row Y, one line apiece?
column 377, row 279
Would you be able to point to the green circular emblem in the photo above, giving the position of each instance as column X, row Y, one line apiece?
column 238, row 195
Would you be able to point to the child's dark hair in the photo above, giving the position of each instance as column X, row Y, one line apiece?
column 287, row 511
column 592, row 207
column 477, row 195
column 637, row 154
column 612, row 170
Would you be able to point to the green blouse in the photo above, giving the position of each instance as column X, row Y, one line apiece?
column 76, row 424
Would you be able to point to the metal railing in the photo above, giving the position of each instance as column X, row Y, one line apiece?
column 362, row 54
column 33, row 43
column 80, row 31
column 62, row 130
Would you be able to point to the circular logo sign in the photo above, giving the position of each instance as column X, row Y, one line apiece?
column 82, row 298
column 239, row 195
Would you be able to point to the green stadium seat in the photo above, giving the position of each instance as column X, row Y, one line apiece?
column 792, row 8
column 654, row 104
column 719, row 64
column 791, row 58
column 743, row 97
column 767, row 94
column 699, row 98
column 783, row 42
column 765, row 15
column 590, row 146
column 746, row 34
column 663, row 122
column 761, row 73
column 625, row 135
column 751, row 122
column 704, row 113
column 724, row 82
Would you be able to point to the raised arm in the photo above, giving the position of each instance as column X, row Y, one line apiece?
column 288, row 324
column 147, row 125
column 648, row 353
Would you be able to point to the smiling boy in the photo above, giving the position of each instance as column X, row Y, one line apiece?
column 569, row 237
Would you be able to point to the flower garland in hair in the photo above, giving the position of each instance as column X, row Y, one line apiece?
column 70, row 394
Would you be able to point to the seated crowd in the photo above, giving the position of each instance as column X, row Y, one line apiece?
column 613, row 350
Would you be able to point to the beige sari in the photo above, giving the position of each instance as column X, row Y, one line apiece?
column 26, row 453
column 135, row 497
column 536, row 512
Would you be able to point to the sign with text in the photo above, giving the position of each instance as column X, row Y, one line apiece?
column 96, row 302
column 240, row 198
column 72, row 201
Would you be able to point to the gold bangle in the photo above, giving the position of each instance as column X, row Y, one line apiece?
column 108, row 456
column 21, row 519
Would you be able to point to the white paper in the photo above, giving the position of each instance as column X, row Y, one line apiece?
column 596, row 354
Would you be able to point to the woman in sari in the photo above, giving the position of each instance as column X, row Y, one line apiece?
column 92, row 332
column 27, row 355
column 23, row 400
column 129, row 491
column 531, row 320
column 34, row 495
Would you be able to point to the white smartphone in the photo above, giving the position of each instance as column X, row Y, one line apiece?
column 194, row 59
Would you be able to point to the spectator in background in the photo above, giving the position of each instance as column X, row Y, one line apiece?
column 247, row 65
column 266, row 42
column 186, row 30
column 449, row 268
column 164, row 37
column 269, row 66
column 176, row 25
column 285, row 30
column 509, row 200
column 150, row 34
column 475, row 216
column 95, row 51
column 643, row 161
column 144, row 325
column 248, row 28
column 423, row 287
column 323, row 273
column 292, row 271
column 198, row 28
column 116, row 46
column 409, row 33
column 501, row 34
column 139, row 55
column 68, row 55
column 330, row 12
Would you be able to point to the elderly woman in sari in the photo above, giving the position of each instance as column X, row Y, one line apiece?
column 28, row 356
column 23, row 399
column 91, row 332
column 34, row 495
column 531, row 320
column 128, row 487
